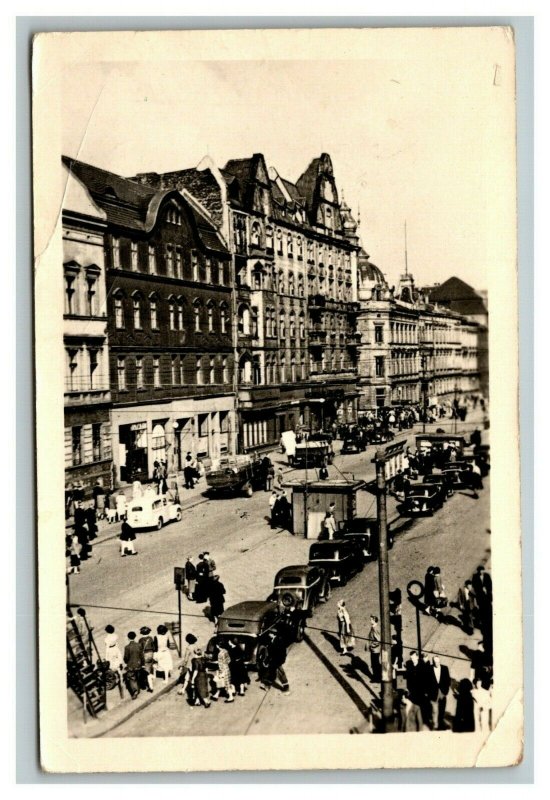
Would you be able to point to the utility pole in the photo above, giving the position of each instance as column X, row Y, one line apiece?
column 424, row 393
column 384, row 589
column 305, row 492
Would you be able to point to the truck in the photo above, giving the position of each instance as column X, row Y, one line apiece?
column 234, row 474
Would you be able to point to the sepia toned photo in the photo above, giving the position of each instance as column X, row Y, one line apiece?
column 276, row 365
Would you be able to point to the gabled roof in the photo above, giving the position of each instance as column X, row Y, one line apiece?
column 458, row 296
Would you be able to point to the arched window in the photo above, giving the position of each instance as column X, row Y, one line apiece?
column 300, row 285
column 302, row 326
column 119, row 311
column 180, row 307
column 136, row 305
column 300, row 246
column 255, row 234
column 291, row 288
column 282, row 325
column 279, row 242
column 210, row 312
column 292, row 325
column 281, row 281
column 243, row 320
column 245, row 369
column 290, row 245
column 197, row 314
column 293, row 369
column 172, row 322
column 223, row 317
column 269, row 238
column 153, row 310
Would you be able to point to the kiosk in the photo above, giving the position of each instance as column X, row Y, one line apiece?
column 311, row 500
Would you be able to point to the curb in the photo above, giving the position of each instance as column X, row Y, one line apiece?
column 136, row 709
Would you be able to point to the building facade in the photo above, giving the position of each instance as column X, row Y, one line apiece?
column 294, row 250
column 86, row 391
column 169, row 308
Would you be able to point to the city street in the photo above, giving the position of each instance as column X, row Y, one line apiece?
column 329, row 693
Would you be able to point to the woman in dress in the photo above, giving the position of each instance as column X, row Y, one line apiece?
column 239, row 671
column 112, row 651
column 199, row 679
column 163, row 654
column 147, row 644
column 345, row 631
column 223, row 677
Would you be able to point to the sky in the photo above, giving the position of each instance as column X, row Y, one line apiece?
column 419, row 137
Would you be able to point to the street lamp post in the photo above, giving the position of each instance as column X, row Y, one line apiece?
column 415, row 590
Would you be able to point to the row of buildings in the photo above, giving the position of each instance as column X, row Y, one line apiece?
column 209, row 310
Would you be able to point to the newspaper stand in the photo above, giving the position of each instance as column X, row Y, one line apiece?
column 311, row 500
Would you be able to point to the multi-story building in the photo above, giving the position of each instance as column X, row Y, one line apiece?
column 412, row 352
column 294, row 248
column 170, row 317
column 87, row 391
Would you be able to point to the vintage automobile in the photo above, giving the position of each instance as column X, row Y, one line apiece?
column 422, row 498
column 340, row 560
column 297, row 590
column 458, row 474
column 363, row 531
column 443, row 483
column 248, row 623
column 380, row 435
column 152, row 511
column 353, row 444
column 313, row 453
column 234, row 474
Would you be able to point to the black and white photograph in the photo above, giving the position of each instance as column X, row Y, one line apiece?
column 276, row 365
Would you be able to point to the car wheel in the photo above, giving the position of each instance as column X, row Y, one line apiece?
column 262, row 656
column 178, row 515
column 160, row 523
column 300, row 630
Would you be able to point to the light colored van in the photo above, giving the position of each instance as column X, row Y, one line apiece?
column 152, row 512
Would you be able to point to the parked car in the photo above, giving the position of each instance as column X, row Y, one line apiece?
column 380, row 435
column 297, row 590
column 442, row 482
column 234, row 474
column 422, row 498
column 458, row 474
column 352, row 445
column 248, row 623
column 152, row 511
column 363, row 531
column 340, row 560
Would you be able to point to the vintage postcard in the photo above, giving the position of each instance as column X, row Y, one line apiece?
column 277, row 399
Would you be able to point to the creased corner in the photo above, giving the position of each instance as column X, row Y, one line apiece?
column 504, row 746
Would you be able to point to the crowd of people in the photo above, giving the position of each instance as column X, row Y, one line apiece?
column 202, row 584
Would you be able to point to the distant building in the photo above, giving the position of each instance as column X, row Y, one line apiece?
column 460, row 297
column 170, row 317
column 87, row 392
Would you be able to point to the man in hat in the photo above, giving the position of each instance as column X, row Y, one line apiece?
column 147, row 645
column 373, row 646
column 276, row 657
column 216, row 595
column 133, row 658
column 202, row 572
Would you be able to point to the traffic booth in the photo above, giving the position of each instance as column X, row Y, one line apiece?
column 311, row 500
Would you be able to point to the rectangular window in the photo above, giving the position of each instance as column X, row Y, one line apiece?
column 96, row 441
column 119, row 313
column 134, row 256
column 91, row 295
column 208, row 271
column 72, row 380
column 77, row 446
column 137, row 313
column 93, row 362
column 378, row 333
column 69, row 294
column 172, row 316
column 139, row 372
column 197, row 313
column 198, row 371
column 169, row 261
column 152, row 260
column 121, row 373
column 379, row 366
column 115, row 252
column 225, row 370
column 194, row 265
column 156, row 371
column 223, row 320
column 212, row 370
column 180, row 315
column 203, row 425
column 215, row 272
column 224, row 421
column 179, row 273
column 175, row 371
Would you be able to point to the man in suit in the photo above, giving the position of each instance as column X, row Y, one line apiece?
column 438, row 683
column 133, row 658
column 416, row 682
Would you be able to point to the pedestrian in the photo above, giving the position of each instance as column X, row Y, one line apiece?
column 183, row 681
column 464, row 715
column 396, row 618
column 133, row 658
column 112, row 651
column 268, row 473
column 211, row 564
column 429, row 587
column 165, row 665
column 438, row 683
column 120, row 502
column 202, row 572
column 75, row 549
column 239, row 671
column 396, row 656
column 189, row 471
column 345, row 630
column 373, row 646
column 415, row 680
column 481, row 666
column 482, row 707
column 467, row 605
column 127, row 539
column 163, row 470
column 277, row 652
column 223, row 676
column 91, row 523
column 440, row 596
column 482, row 585
column 410, row 716
column 475, row 480
column 147, row 644
column 273, row 498
column 199, row 679
column 284, row 511
column 323, row 472
column 216, row 595
column 280, row 478
column 98, row 493
column 329, row 526
column 190, row 578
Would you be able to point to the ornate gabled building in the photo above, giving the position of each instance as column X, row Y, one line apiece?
column 169, row 282
column 294, row 249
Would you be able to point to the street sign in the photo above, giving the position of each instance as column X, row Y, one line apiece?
column 179, row 577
